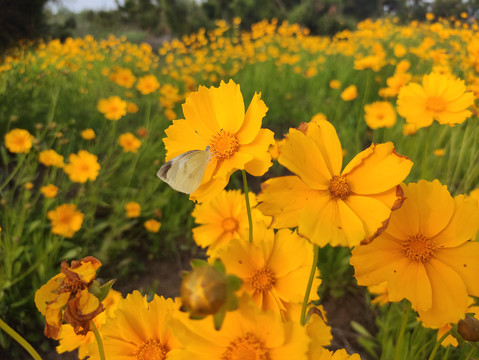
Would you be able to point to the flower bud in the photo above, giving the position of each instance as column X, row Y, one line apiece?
column 469, row 328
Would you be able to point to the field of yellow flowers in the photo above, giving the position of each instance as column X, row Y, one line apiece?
column 302, row 165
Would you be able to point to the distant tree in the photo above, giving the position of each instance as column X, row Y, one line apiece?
column 448, row 8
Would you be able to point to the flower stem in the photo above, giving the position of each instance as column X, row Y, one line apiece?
column 248, row 207
column 438, row 343
column 310, row 283
column 13, row 172
column 19, row 339
column 98, row 341
column 397, row 353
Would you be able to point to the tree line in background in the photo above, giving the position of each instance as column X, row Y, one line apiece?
column 29, row 19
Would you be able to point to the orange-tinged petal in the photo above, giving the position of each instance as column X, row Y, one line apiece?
column 283, row 198
column 327, row 141
column 228, row 106
column 382, row 170
column 464, row 260
column 461, row 103
column 236, row 162
column 86, row 271
column 200, row 114
column 452, row 118
column 46, row 293
column 252, row 121
column 205, row 235
column 463, row 225
column 301, row 155
column 449, row 294
column 181, row 137
column 372, row 212
column 209, row 189
column 88, row 302
column 53, row 315
column 258, row 148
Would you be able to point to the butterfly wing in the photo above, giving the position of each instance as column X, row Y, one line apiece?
column 184, row 173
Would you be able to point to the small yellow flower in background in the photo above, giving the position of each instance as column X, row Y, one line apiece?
column 170, row 114
column 49, row 191
column 82, row 167
column 142, row 132
column 380, row 291
column 18, row 141
column 335, row 84
column 105, row 71
column 379, row 114
column 29, row 185
column 70, row 341
column 425, row 254
column 216, row 118
column 152, row 225
column 350, row 93
column 112, row 108
column 141, row 329
column 327, row 204
column 440, row 98
column 449, row 340
column 123, row 77
column 147, row 84
column 88, row 134
column 65, row 220
column 409, row 129
column 399, row 50
column 133, row 209
column 129, row 142
column 51, row 158
column 69, row 288
column 430, row 16
column 132, row 108
column 439, row 152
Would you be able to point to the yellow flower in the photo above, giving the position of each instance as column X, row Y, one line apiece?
column 380, row 291
column 140, row 330
column 65, row 220
column 440, row 97
column 379, row 114
column 18, row 141
column 129, row 142
column 335, row 84
column 273, row 278
column 439, row 152
column 29, row 185
column 215, row 118
column 222, row 219
column 123, row 77
column 424, row 253
column 51, row 158
column 350, row 93
column 70, row 341
column 133, row 209
column 69, row 288
column 88, row 134
column 82, row 167
column 246, row 333
column 147, row 84
column 152, row 225
column 328, row 205
column 113, row 108
column 132, row 108
column 170, row 114
column 49, row 191
column 409, row 129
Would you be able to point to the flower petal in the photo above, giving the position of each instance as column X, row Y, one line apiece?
column 228, row 106
column 252, row 120
column 326, row 139
column 181, row 137
column 258, row 149
column 200, row 113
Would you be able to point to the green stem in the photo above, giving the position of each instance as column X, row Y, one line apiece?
column 438, row 343
column 397, row 352
column 310, row 283
column 98, row 341
column 469, row 354
column 425, row 155
column 13, row 173
column 19, row 339
column 248, row 207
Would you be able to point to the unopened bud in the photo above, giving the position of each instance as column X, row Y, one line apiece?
column 469, row 328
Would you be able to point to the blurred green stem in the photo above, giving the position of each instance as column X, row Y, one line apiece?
column 248, row 207
column 18, row 338
column 438, row 343
column 98, row 341
column 425, row 155
column 397, row 352
column 310, row 283
column 14, row 172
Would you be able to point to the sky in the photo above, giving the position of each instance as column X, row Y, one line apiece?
column 80, row 5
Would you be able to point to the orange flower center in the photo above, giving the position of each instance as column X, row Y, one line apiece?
column 435, row 104
column 247, row 347
column 224, row 145
column 263, row 279
column 71, row 286
column 152, row 349
column 419, row 247
column 339, row 187
column 230, row 224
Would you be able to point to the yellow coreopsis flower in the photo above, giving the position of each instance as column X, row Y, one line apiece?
column 335, row 84
column 123, row 77
column 424, row 254
column 350, row 93
column 82, row 167
column 129, row 142
column 440, row 98
column 132, row 108
column 18, row 141
column 152, row 225
column 216, row 118
column 65, row 220
column 51, row 158
column 330, row 206
column 88, row 134
column 49, row 191
column 133, row 209
column 379, row 114
column 147, row 84
column 112, row 108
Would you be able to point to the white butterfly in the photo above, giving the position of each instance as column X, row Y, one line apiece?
column 184, row 172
